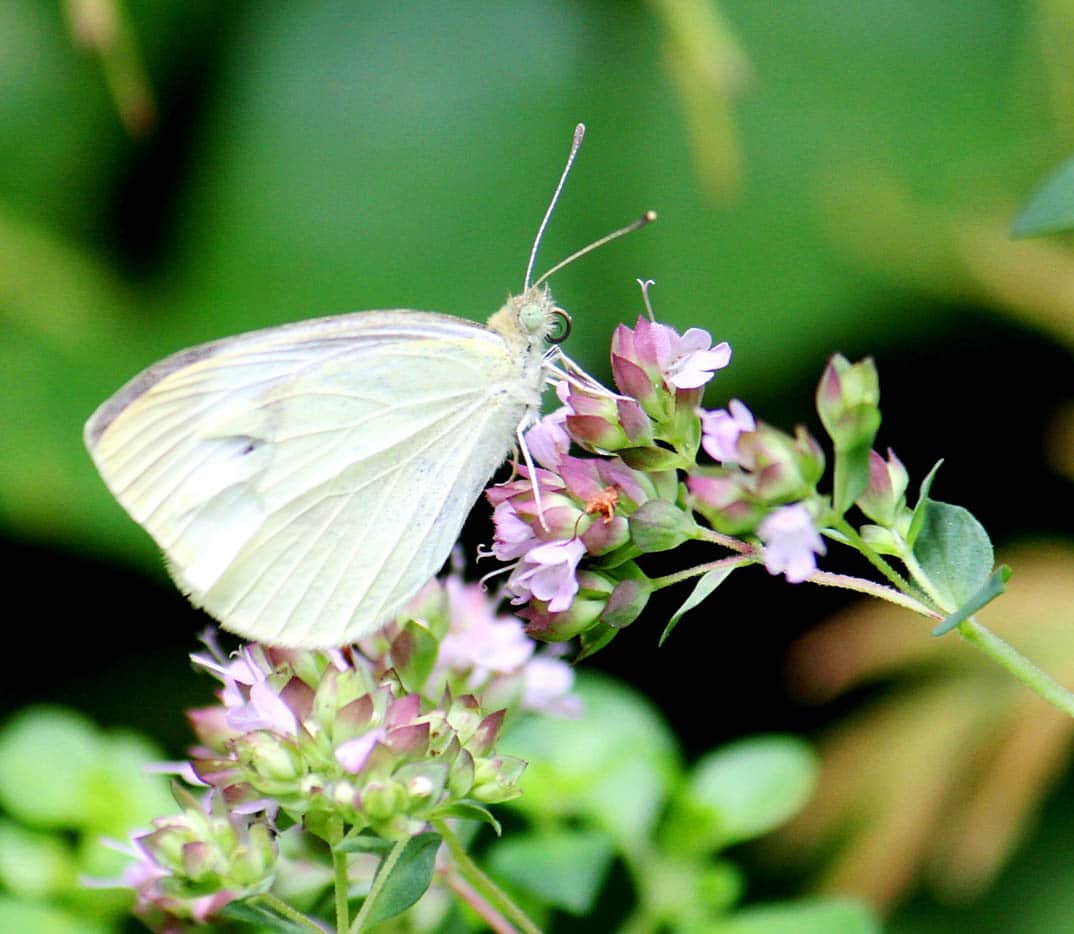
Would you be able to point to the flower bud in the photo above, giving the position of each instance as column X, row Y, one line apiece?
column 626, row 602
column 848, row 398
column 722, row 498
column 382, row 800
column 660, row 526
column 584, row 611
column 268, row 756
column 783, row 468
column 884, row 498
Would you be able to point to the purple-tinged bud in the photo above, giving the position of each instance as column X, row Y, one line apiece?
column 637, row 425
column 660, row 526
column 884, row 498
column 486, row 734
column 848, row 399
column 584, row 611
column 410, row 740
column 626, row 602
column 199, row 860
column 725, row 502
column 783, row 468
column 211, row 727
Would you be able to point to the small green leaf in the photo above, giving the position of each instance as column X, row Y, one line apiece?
column 408, row 878
column 813, row 916
column 1051, row 207
column 470, row 810
column 993, row 587
column 743, row 790
column 565, row 868
column 954, row 551
column 705, row 585
column 256, row 912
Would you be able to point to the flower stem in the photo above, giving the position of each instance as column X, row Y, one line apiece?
column 339, row 865
column 280, row 907
column 668, row 579
column 482, row 884
column 384, row 870
column 728, row 541
column 1017, row 664
column 870, row 555
column 873, row 589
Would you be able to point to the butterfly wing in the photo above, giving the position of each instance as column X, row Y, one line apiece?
column 305, row 481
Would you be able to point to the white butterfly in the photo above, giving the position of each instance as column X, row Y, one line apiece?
column 305, row 481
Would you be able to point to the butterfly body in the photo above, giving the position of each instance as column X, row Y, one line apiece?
column 304, row 481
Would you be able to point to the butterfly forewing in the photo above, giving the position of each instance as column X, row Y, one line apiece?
column 305, row 481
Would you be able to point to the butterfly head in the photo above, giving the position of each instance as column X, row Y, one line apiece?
column 532, row 320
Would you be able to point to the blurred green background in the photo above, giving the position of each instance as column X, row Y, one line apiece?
column 828, row 176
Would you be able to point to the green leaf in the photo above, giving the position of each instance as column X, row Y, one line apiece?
column 563, row 868
column 256, row 912
column 993, row 587
column 470, row 810
column 705, row 585
column 814, row 916
column 408, row 878
column 1051, row 207
column 918, row 516
column 954, row 552
column 743, row 790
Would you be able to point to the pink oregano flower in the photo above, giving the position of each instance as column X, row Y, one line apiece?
column 791, row 542
column 721, row 428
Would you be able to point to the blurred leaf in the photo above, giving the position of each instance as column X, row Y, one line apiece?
column 45, row 753
column 1051, row 207
column 33, row 865
column 563, row 868
column 742, row 790
column 955, row 553
column 822, row 916
column 408, row 878
column 34, row 917
column 612, row 766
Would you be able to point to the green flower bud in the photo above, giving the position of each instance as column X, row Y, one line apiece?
column 884, row 498
column 848, row 399
column 381, row 800
column 660, row 526
column 269, row 757
column 626, row 602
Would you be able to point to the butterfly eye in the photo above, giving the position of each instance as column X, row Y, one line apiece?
column 561, row 330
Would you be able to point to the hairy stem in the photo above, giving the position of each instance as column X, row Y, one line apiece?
column 1017, row 664
column 284, row 910
column 668, row 579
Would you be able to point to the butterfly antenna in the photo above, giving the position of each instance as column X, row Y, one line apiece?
column 647, row 218
column 579, row 132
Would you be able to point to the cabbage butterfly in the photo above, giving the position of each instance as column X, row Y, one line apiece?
column 305, row 481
